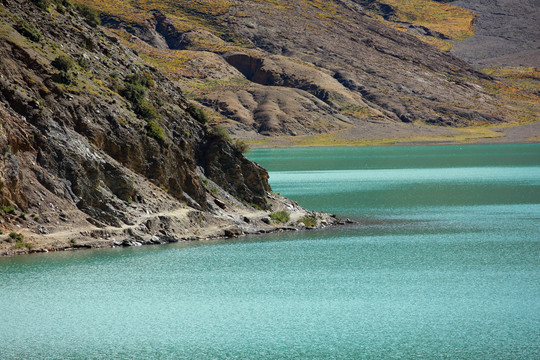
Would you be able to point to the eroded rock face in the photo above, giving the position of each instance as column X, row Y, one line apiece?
column 69, row 135
column 242, row 179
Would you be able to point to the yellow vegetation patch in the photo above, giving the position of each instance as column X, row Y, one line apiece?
column 198, row 89
column 118, row 8
column 463, row 135
column 173, row 62
column 184, row 15
column 518, row 88
column 527, row 73
column 452, row 21
column 357, row 111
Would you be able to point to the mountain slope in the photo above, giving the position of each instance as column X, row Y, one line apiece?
column 306, row 67
column 507, row 33
column 99, row 147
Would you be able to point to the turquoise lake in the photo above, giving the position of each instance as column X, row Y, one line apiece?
column 444, row 263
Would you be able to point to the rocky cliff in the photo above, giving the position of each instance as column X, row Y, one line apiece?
column 298, row 67
column 99, row 148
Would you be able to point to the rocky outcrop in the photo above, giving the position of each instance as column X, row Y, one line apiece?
column 100, row 148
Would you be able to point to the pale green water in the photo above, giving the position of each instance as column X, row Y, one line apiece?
column 444, row 264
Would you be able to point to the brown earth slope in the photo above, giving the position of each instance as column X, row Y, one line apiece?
column 300, row 67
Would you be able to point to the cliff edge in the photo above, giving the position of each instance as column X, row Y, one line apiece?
column 100, row 149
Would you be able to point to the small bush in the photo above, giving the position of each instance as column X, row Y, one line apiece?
column 42, row 4
column 134, row 92
column 147, row 80
column 198, row 113
column 29, row 246
column 255, row 206
column 221, row 132
column 308, row 220
column 154, row 130
column 280, row 216
column 84, row 63
column 144, row 80
column 16, row 237
column 8, row 209
column 65, row 78
column 241, row 146
column 63, row 63
column 91, row 15
column 146, row 110
column 63, row 5
column 72, row 241
column 28, row 30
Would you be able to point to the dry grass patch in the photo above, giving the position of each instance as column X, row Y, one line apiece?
column 519, row 89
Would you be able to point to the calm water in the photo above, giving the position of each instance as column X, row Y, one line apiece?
column 445, row 263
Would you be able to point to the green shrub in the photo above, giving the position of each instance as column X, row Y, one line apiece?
column 66, row 3
column 64, row 77
column 84, row 63
column 28, row 30
column 91, row 15
column 8, row 209
column 255, row 206
column 43, row 4
column 154, row 130
column 221, row 132
column 17, row 237
column 144, row 80
column 72, row 241
column 198, row 113
column 63, row 5
column 308, row 220
column 241, row 146
column 280, row 216
column 63, row 63
column 29, row 246
column 146, row 110
column 134, row 92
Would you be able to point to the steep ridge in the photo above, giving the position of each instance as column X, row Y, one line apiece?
column 310, row 67
column 99, row 148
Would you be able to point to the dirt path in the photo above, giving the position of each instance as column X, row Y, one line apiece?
column 77, row 231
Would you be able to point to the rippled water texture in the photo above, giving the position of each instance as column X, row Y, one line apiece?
column 444, row 263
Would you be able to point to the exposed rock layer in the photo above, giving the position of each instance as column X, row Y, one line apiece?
column 82, row 164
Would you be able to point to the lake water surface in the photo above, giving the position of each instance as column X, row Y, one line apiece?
column 444, row 263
